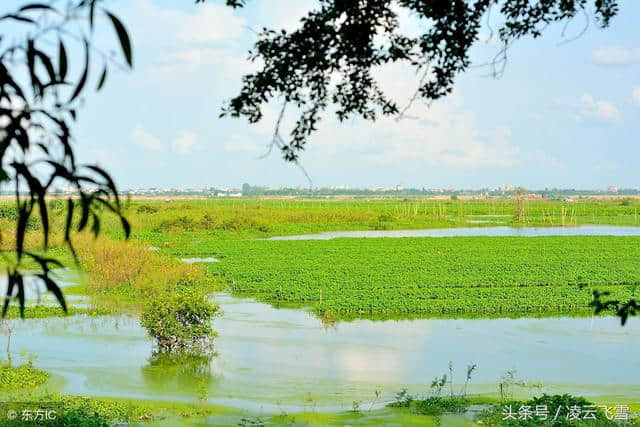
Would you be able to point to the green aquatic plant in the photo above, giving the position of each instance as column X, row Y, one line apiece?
column 18, row 378
column 402, row 399
column 73, row 417
column 83, row 411
column 252, row 422
column 429, row 277
column 44, row 311
column 437, row 405
column 434, row 403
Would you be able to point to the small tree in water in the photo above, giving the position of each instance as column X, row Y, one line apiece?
column 180, row 319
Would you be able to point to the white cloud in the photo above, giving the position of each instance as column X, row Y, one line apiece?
column 635, row 95
column 444, row 135
column 245, row 145
column 143, row 139
column 186, row 143
column 599, row 109
column 210, row 24
column 187, row 40
column 207, row 23
column 606, row 167
column 615, row 55
column 224, row 62
column 542, row 160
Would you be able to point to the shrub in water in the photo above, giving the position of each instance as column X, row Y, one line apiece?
column 180, row 319
column 436, row 405
column 403, row 399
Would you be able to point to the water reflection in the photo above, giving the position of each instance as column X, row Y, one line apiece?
column 189, row 371
column 198, row 260
column 35, row 289
column 583, row 230
column 270, row 359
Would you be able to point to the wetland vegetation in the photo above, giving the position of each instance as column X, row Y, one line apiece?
column 339, row 279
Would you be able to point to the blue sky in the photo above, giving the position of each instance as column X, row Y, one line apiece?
column 562, row 115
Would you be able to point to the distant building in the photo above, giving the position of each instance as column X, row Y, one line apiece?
column 612, row 189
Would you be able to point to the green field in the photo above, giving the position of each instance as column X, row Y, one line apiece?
column 375, row 278
column 404, row 277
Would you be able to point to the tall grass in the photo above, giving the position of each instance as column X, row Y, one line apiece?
column 124, row 274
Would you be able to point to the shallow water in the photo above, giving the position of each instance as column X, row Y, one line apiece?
column 199, row 260
column 282, row 359
column 583, row 230
column 35, row 289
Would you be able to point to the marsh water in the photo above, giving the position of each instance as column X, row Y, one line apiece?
column 272, row 359
column 269, row 359
column 582, row 230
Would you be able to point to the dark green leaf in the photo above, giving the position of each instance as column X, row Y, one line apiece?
column 11, row 281
column 95, row 227
column 103, row 78
column 44, row 216
column 83, row 77
column 55, row 290
column 62, row 61
column 92, row 13
column 123, row 36
column 48, row 65
column 35, row 6
column 20, row 285
column 23, row 217
column 18, row 18
column 67, row 227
